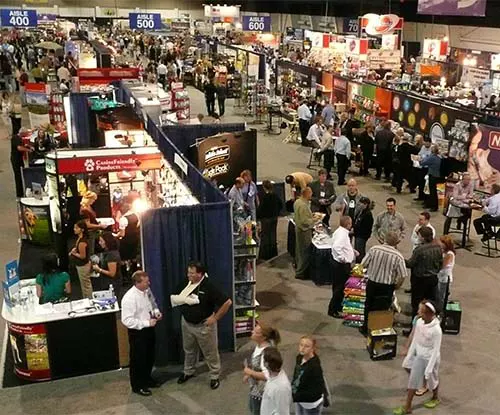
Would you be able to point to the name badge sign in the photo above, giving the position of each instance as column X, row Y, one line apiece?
column 18, row 18
column 256, row 23
column 145, row 21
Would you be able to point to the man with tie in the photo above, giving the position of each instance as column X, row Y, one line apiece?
column 140, row 314
column 202, row 305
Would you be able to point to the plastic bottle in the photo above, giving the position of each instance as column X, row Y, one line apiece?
column 112, row 290
column 249, row 271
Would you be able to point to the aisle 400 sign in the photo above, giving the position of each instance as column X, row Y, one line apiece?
column 256, row 23
column 145, row 21
column 18, row 18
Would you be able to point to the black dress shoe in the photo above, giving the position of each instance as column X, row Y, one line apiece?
column 184, row 378
column 408, row 291
column 153, row 384
column 335, row 314
column 143, row 392
column 214, row 384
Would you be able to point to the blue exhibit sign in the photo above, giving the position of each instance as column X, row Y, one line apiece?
column 18, row 18
column 256, row 23
column 145, row 21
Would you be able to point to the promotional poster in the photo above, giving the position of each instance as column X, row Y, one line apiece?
column 35, row 224
column 37, row 99
column 30, row 351
column 223, row 157
column 484, row 156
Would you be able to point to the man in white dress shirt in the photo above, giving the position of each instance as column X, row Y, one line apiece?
column 343, row 255
column 304, row 115
column 343, row 154
column 139, row 315
column 424, row 219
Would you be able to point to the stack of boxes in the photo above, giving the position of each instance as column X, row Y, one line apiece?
column 354, row 299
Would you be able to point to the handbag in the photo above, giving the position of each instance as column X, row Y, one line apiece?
column 453, row 211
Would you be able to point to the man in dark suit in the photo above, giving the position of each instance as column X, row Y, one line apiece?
column 348, row 123
column 383, row 143
column 323, row 195
column 406, row 150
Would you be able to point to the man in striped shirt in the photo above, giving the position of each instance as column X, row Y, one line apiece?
column 386, row 270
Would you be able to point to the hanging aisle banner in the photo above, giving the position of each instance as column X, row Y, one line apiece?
column 452, row 7
column 145, row 21
column 256, row 23
column 18, row 18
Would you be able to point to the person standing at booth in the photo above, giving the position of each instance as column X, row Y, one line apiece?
column 343, row 255
column 323, row 195
column 140, row 315
column 17, row 151
column 88, row 214
column 250, row 193
column 202, row 305
column 305, row 116
column 343, row 154
column 80, row 257
column 304, row 223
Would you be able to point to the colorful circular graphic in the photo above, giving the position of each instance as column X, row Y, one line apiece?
column 416, row 107
column 406, row 105
column 444, row 119
column 396, row 103
column 401, row 116
column 411, row 119
column 423, row 124
column 432, row 113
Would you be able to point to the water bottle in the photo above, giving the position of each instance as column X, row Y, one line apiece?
column 112, row 290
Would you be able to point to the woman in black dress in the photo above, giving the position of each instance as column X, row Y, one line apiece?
column 363, row 224
column 109, row 267
column 267, row 214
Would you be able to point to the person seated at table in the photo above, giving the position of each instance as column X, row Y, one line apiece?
column 315, row 132
column 491, row 208
column 52, row 284
column 323, row 195
column 298, row 181
column 459, row 203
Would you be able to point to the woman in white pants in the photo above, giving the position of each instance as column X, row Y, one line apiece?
column 423, row 358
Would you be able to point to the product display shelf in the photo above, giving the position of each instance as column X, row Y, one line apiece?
column 244, row 288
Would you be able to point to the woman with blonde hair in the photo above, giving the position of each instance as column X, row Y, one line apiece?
column 88, row 214
column 255, row 373
column 445, row 275
column 309, row 390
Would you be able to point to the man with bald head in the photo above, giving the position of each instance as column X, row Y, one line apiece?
column 304, row 223
column 348, row 204
column 343, row 255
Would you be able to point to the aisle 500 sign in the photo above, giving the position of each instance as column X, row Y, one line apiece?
column 256, row 23
column 18, row 18
column 145, row 21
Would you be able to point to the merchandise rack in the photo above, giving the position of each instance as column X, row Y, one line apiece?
column 244, row 288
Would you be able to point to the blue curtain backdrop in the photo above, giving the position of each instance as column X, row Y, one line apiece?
column 172, row 237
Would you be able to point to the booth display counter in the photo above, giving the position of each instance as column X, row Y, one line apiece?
column 54, row 341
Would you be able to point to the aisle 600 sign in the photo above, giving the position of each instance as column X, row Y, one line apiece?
column 145, row 21
column 18, row 18
column 256, row 23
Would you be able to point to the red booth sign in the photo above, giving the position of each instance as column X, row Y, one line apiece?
column 106, row 164
column 108, row 74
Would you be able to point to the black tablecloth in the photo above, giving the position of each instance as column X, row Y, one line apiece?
column 321, row 268
column 290, row 245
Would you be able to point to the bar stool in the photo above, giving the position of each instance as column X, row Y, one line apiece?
column 491, row 244
column 314, row 160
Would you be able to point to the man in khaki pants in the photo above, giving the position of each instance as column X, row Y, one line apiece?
column 201, row 305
